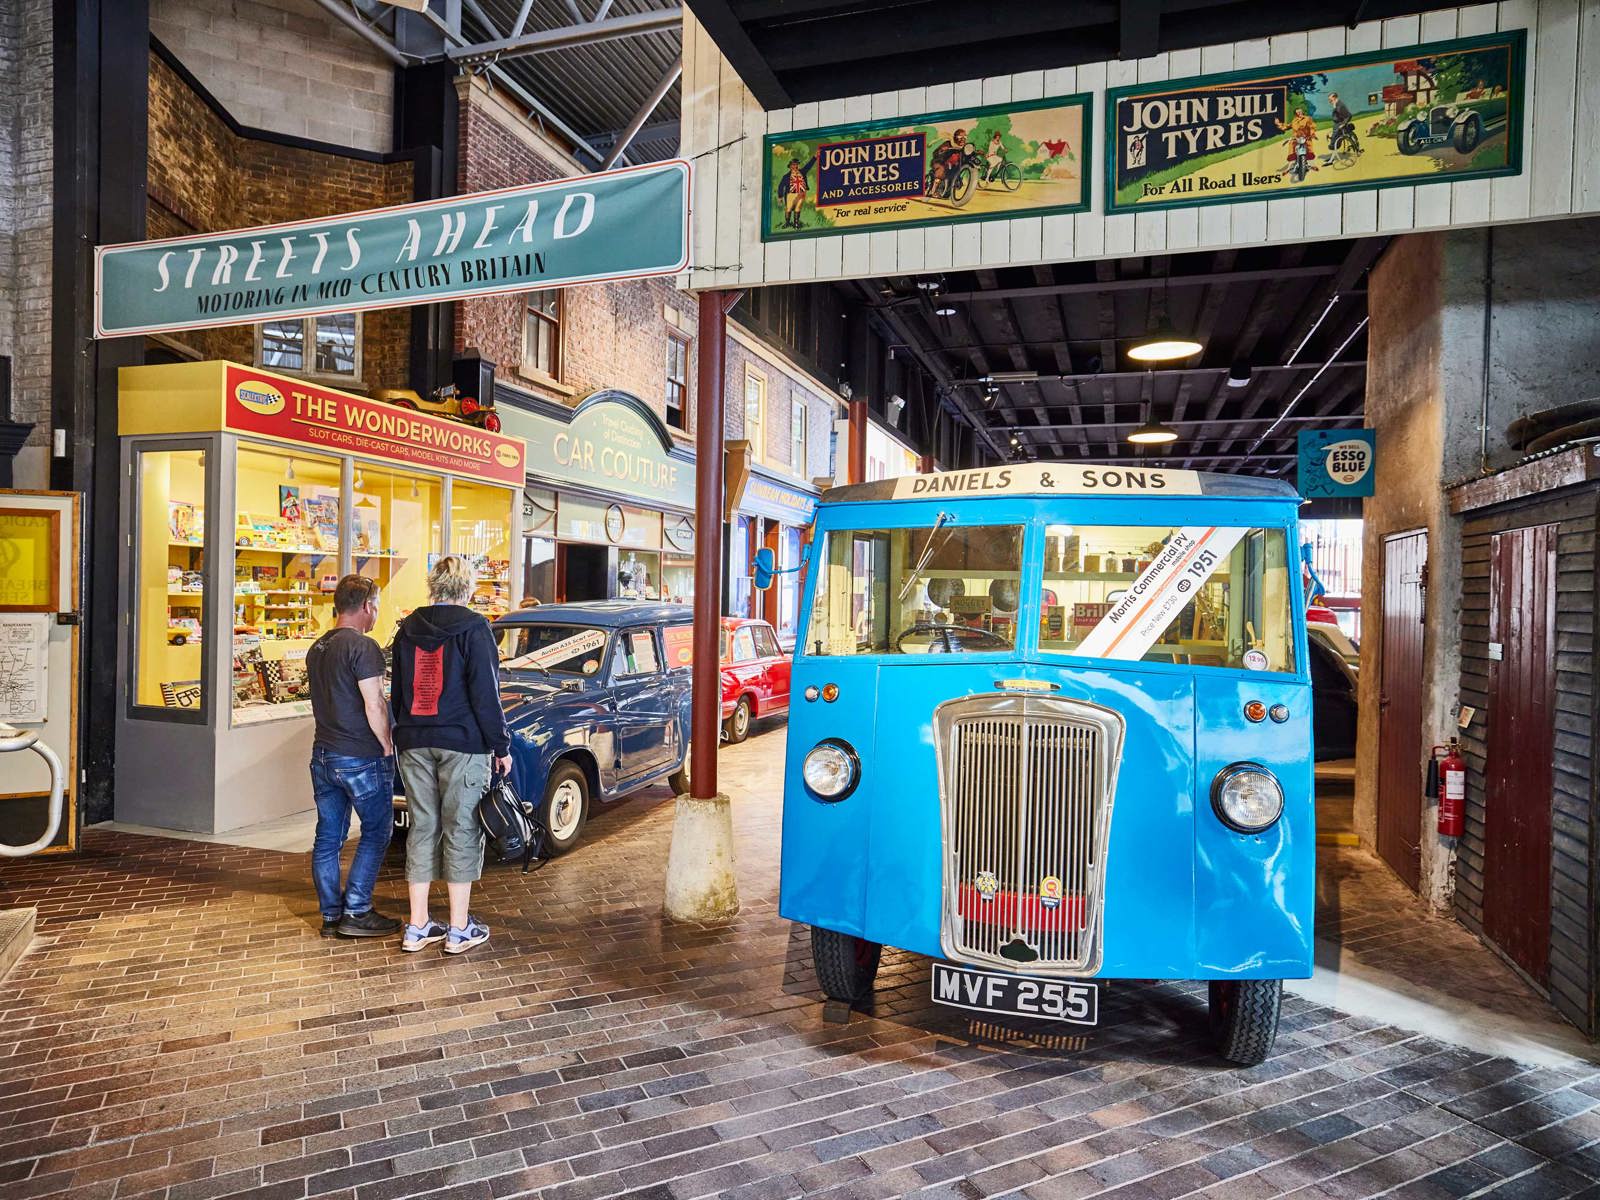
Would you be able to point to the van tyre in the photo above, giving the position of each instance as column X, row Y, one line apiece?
column 846, row 965
column 1244, row 1018
column 566, row 806
column 737, row 727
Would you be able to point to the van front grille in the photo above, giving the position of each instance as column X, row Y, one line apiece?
column 1026, row 784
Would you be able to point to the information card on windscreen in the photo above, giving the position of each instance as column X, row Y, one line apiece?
column 1027, row 479
column 1140, row 616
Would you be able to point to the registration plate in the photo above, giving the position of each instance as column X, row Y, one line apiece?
column 990, row 992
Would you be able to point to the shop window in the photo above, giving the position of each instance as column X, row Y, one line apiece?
column 285, row 567
column 329, row 345
column 677, row 381
column 677, row 579
column 480, row 532
column 639, row 575
column 797, row 436
column 397, row 534
column 739, row 586
column 170, row 546
column 539, row 570
column 541, row 333
column 755, row 411
column 789, row 581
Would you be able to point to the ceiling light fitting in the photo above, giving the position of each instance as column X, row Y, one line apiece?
column 1164, row 344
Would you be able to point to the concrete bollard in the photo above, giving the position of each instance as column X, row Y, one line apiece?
column 700, row 882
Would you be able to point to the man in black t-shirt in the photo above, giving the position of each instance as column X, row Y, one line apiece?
column 352, row 761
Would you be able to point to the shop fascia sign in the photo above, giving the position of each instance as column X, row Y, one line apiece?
column 291, row 410
column 612, row 443
column 768, row 498
column 625, row 224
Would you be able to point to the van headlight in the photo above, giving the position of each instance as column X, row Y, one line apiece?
column 832, row 770
column 1247, row 797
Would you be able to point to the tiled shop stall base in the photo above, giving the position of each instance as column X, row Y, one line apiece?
column 182, row 1031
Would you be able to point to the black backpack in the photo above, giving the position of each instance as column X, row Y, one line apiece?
column 511, row 825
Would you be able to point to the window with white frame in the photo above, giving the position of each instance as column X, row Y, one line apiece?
column 755, row 412
column 677, row 381
column 329, row 345
column 798, row 426
column 541, row 333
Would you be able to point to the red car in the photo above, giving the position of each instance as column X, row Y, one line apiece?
column 755, row 675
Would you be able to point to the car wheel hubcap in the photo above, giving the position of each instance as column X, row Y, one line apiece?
column 741, row 719
column 566, row 806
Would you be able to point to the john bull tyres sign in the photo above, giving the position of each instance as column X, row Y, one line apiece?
column 620, row 224
column 969, row 164
column 1424, row 114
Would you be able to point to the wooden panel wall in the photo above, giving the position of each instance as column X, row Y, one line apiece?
column 1573, row 887
column 723, row 128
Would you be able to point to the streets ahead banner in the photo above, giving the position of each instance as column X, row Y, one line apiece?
column 1386, row 118
column 622, row 224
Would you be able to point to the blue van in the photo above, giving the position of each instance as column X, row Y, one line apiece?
column 1052, row 725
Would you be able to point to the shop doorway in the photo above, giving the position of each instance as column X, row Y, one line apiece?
column 1405, row 558
column 1520, row 750
column 586, row 572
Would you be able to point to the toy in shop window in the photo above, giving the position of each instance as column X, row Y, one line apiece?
column 182, row 630
column 445, row 401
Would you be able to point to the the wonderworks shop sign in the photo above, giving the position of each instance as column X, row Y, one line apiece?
column 622, row 224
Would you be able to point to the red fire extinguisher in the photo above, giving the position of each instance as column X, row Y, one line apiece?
column 1451, row 773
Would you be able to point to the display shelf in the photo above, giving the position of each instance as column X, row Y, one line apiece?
column 185, row 592
column 291, row 551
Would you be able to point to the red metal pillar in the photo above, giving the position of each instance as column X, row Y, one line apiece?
column 706, row 717
column 857, row 461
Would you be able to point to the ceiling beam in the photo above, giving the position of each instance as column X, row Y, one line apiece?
column 728, row 32
column 1109, row 376
column 1196, row 423
column 1138, row 29
column 651, row 103
column 1144, row 283
column 666, row 20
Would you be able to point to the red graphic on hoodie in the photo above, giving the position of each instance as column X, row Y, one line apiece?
column 427, row 681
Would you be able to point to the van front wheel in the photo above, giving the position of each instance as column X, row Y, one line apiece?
column 846, row 965
column 1244, row 1018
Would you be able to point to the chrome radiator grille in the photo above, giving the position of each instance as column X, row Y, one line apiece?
column 1026, row 783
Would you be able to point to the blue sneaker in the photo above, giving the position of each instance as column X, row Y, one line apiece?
column 459, row 941
column 418, row 936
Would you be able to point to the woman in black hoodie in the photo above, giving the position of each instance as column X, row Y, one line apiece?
column 449, row 734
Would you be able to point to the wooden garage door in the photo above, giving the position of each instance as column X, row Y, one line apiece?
column 1519, row 754
column 1400, row 706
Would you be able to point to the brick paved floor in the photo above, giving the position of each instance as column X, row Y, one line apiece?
column 182, row 1031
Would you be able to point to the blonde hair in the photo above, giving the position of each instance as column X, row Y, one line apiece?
column 451, row 581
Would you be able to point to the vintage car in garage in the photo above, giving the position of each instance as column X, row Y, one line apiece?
column 755, row 676
column 597, row 698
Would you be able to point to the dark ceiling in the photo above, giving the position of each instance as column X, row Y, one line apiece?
column 1294, row 316
column 790, row 51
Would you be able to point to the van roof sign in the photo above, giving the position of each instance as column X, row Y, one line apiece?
column 1044, row 479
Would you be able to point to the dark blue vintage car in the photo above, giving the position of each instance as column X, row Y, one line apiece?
column 597, row 698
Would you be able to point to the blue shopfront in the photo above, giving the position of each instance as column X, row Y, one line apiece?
column 775, row 512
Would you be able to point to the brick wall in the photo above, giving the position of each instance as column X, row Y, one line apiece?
column 283, row 65
column 203, row 177
column 614, row 335
column 25, row 225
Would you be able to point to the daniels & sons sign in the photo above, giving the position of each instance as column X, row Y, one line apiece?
column 621, row 224
column 1399, row 117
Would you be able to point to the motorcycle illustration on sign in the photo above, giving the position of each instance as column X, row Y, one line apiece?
column 971, row 164
column 1441, row 112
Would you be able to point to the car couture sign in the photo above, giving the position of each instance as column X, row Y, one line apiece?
column 968, row 164
column 1424, row 114
column 1337, row 462
column 622, row 224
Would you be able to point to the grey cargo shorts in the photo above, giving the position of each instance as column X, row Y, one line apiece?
column 443, row 788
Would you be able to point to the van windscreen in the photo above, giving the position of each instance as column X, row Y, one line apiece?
column 948, row 589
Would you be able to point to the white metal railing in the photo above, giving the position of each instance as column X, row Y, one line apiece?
column 14, row 739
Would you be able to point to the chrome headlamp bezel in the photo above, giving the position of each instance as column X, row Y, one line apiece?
column 852, row 761
column 1230, row 775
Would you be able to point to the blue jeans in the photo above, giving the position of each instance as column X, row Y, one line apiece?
column 341, row 782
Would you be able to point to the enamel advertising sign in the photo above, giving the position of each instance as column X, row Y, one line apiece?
column 1425, row 114
column 1337, row 462
column 970, row 164
column 623, row 224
